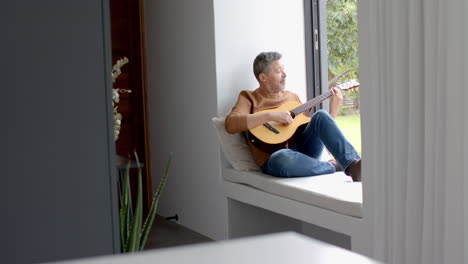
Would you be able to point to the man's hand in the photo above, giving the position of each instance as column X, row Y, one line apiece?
column 308, row 111
column 336, row 101
column 283, row 117
column 254, row 120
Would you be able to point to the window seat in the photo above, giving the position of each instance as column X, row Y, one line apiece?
column 258, row 203
column 335, row 192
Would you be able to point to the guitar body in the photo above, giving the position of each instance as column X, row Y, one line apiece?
column 269, row 141
column 273, row 136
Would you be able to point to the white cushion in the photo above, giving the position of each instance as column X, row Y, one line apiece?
column 234, row 147
column 335, row 192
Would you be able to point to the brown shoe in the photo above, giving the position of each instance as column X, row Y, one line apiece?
column 354, row 170
column 335, row 164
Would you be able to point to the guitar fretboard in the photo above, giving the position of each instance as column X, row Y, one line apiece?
column 309, row 104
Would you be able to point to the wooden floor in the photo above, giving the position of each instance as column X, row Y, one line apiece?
column 168, row 233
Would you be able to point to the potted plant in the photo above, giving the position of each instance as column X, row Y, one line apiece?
column 133, row 231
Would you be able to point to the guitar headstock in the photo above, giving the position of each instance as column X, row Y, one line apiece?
column 348, row 85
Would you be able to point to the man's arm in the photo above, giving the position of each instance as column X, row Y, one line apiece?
column 255, row 120
column 240, row 119
column 234, row 122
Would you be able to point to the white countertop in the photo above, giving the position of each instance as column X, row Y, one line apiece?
column 280, row 248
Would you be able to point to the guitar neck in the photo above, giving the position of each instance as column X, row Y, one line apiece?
column 309, row 104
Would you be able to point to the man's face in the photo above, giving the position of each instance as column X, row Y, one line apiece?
column 275, row 79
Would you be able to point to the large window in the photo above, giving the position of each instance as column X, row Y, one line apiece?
column 332, row 57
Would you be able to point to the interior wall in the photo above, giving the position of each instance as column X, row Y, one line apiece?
column 244, row 28
column 58, row 189
column 181, row 101
column 199, row 57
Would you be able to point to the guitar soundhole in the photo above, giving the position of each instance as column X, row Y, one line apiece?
column 292, row 114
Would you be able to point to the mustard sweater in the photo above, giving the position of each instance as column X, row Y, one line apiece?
column 250, row 102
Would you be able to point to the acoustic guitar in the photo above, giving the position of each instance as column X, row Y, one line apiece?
column 273, row 136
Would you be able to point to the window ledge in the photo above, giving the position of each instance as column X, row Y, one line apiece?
column 335, row 192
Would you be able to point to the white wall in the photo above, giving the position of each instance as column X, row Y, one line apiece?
column 244, row 28
column 181, row 86
column 189, row 82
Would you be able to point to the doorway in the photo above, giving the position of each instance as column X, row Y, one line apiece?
column 127, row 34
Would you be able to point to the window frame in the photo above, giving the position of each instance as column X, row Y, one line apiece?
column 315, row 27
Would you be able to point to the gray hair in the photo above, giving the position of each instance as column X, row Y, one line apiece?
column 263, row 62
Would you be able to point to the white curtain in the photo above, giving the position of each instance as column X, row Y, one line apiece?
column 413, row 73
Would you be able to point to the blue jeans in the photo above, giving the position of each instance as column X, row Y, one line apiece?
column 302, row 158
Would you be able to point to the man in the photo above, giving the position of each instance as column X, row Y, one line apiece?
column 302, row 158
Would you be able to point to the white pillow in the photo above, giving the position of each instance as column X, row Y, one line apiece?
column 234, row 147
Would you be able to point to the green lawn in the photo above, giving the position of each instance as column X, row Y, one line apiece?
column 351, row 127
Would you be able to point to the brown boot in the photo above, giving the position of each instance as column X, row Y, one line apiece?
column 335, row 164
column 354, row 170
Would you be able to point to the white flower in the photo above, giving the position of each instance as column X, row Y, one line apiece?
column 115, row 95
column 116, row 68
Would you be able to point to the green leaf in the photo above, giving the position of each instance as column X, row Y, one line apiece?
column 125, row 201
column 342, row 47
column 135, row 233
column 154, row 205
